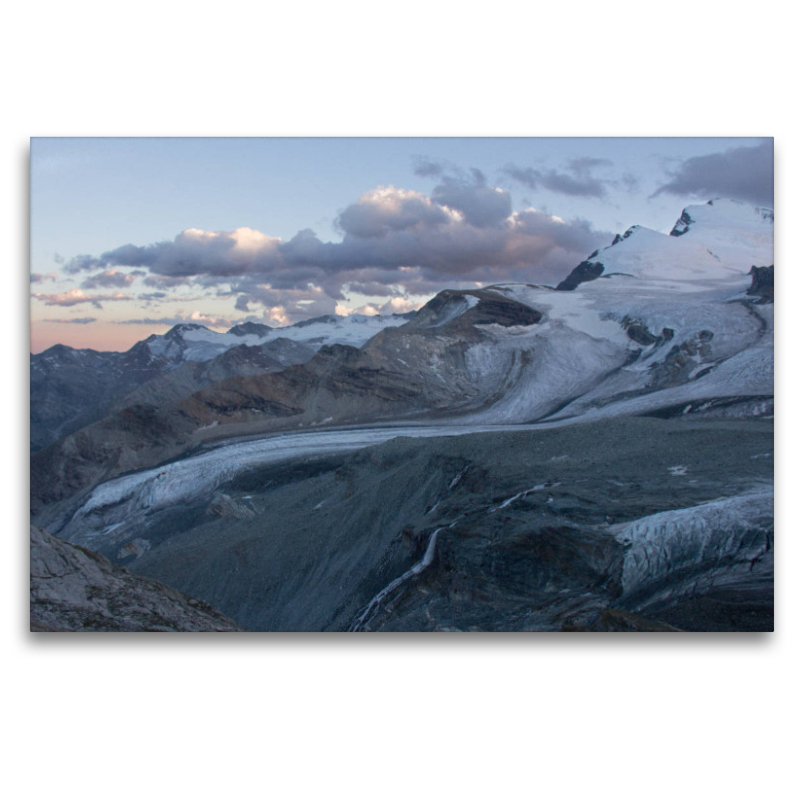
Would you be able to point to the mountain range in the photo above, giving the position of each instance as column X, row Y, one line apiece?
column 518, row 456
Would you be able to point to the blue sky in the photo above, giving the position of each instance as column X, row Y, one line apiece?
column 393, row 221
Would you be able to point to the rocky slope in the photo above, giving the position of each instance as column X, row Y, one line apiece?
column 74, row 589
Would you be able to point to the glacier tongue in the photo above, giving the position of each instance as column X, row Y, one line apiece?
column 732, row 530
column 112, row 507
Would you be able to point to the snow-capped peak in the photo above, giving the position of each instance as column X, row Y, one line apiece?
column 718, row 241
column 738, row 233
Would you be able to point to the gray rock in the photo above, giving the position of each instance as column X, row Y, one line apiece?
column 74, row 589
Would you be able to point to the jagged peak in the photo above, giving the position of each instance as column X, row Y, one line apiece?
column 250, row 328
column 184, row 327
column 325, row 318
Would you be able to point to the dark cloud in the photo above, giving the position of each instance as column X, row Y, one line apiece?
column 741, row 173
column 38, row 277
column 481, row 205
column 427, row 168
column 575, row 186
column 527, row 176
column 165, row 281
column 112, row 279
column 74, row 320
column 578, row 182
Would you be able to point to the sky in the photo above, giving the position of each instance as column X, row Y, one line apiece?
column 130, row 236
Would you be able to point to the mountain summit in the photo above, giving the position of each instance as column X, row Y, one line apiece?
column 717, row 241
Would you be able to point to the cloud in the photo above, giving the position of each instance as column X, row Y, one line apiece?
column 585, row 164
column 480, row 205
column 38, row 277
column 741, row 173
column 151, row 297
column 193, row 252
column 166, row 281
column 427, row 168
column 395, row 243
column 75, row 297
column 74, row 320
column 197, row 317
column 400, row 305
column 397, row 305
column 575, row 186
column 112, row 279
column 577, row 182
column 387, row 209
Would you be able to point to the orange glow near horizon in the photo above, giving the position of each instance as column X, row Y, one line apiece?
column 95, row 335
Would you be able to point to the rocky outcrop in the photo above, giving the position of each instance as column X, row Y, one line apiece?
column 250, row 329
column 762, row 285
column 682, row 225
column 74, row 589
column 585, row 271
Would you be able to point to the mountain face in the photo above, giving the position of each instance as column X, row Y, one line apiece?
column 192, row 376
column 74, row 388
column 250, row 329
column 594, row 456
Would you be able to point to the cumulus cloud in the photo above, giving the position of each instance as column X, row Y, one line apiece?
column 386, row 209
column 742, row 173
column 396, row 305
column 481, row 205
column 74, row 320
column 75, row 297
column 193, row 252
column 38, row 277
column 395, row 243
